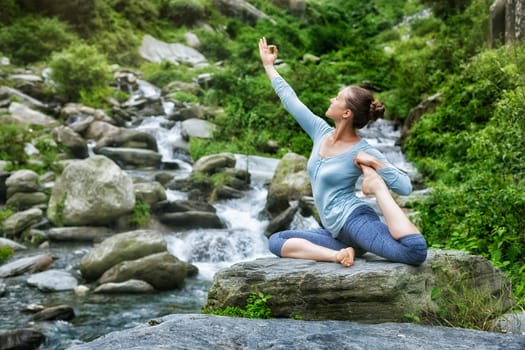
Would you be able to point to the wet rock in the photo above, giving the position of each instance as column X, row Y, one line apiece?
column 94, row 191
column 290, row 182
column 227, row 192
column 214, row 163
column 60, row 312
column 23, row 265
column 69, row 138
column 78, row 233
column 132, row 157
column 131, row 286
column 192, row 219
column 53, row 281
column 16, row 246
column 163, row 271
column 282, row 221
column 192, row 331
column 21, row 339
column 22, row 220
column 183, row 205
column 149, row 192
column 118, row 248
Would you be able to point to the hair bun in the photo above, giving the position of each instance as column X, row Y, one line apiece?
column 376, row 110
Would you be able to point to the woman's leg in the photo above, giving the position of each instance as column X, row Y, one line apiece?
column 398, row 240
column 318, row 245
column 398, row 223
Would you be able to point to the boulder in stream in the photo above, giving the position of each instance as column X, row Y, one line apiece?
column 94, row 191
column 118, row 248
column 162, row 270
column 21, row 339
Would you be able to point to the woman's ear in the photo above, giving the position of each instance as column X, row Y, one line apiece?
column 347, row 113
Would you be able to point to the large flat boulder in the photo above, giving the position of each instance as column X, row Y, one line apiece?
column 208, row 332
column 373, row 290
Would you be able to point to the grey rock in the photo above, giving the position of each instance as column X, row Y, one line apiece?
column 22, row 220
column 132, row 157
column 26, row 200
column 78, row 233
column 22, row 181
column 198, row 128
column 28, row 264
column 12, row 244
column 192, row 219
column 373, row 290
column 59, row 312
column 214, row 163
column 149, row 192
column 21, row 339
column 290, row 182
column 118, row 248
column 207, row 332
column 131, row 286
column 26, row 115
column 162, row 270
column 94, row 191
column 53, row 281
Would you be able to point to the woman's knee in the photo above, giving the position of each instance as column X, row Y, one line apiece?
column 417, row 249
column 275, row 243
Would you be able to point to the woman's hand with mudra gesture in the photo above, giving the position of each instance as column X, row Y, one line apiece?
column 268, row 52
column 268, row 56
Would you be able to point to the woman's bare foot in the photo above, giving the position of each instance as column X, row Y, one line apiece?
column 345, row 256
column 372, row 182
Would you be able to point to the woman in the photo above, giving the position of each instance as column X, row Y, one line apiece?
column 339, row 156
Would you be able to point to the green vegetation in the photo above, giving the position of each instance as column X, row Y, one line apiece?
column 141, row 214
column 5, row 253
column 256, row 307
column 464, row 304
column 80, row 71
column 469, row 150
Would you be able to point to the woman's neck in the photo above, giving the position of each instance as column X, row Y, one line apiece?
column 344, row 133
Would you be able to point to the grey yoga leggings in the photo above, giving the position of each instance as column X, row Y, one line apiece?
column 365, row 232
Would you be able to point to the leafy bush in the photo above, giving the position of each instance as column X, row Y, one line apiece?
column 183, row 12
column 14, row 138
column 256, row 307
column 30, row 39
column 80, row 69
column 10, row 10
column 472, row 149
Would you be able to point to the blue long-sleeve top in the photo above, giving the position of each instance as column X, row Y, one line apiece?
column 333, row 179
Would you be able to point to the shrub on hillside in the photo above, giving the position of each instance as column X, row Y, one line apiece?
column 31, row 39
column 183, row 12
column 472, row 148
column 80, row 71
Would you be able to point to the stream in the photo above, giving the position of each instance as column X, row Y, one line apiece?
column 208, row 249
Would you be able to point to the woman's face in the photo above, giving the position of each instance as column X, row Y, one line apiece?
column 337, row 105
